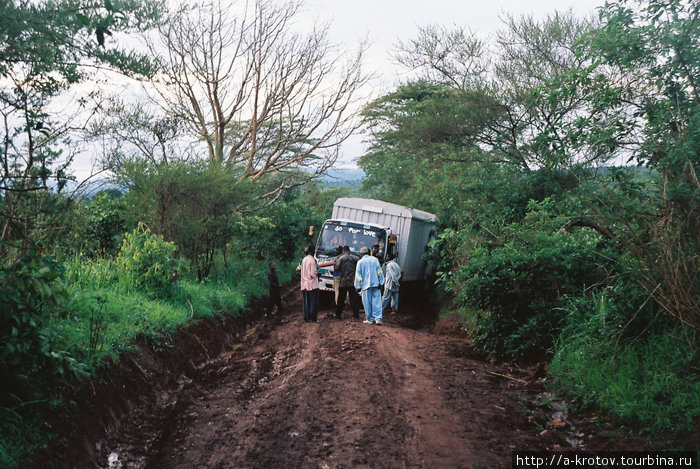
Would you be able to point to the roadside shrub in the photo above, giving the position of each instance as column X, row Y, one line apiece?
column 32, row 361
column 619, row 353
column 519, row 288
column 147, row 262
column 193, row 204
column 31, row 290
column 105, row 222
column 289, row 222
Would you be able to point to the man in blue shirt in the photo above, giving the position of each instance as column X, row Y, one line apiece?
column 368, row 278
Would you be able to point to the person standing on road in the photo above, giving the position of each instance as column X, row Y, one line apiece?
column 309, row 285
column 368, row 278
column 274, row 297
column 336, row 271
column 347, row 263
column 391, row 284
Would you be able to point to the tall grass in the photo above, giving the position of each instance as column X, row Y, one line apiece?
column 649, row 381
column 105, row 314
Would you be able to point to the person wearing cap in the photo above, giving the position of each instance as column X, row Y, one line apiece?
column 369, row 278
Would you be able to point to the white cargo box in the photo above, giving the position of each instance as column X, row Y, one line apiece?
column 413, row 228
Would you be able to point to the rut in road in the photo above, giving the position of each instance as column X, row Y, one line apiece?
column 332, row 394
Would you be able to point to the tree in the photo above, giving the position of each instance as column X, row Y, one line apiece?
column 643, row 88
column 45, row 48
column 136, row 130
column 188, row 203
column 260, row 98
column 509, row 88
column 419, row 131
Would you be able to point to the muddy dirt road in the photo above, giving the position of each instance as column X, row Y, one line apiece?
column 333, row 394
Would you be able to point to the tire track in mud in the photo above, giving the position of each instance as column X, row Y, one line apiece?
column 333, row 394
column 437, row 438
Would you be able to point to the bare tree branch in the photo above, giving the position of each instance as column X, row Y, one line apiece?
column 259, row 97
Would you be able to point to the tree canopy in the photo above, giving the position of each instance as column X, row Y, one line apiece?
column 46, row 48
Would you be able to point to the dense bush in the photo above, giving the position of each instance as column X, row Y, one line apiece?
column 104, row 222
column 147, row 262
column 31, row 292
column 519, row 286
column 190, row 204
column 620, row 353
column 32, row 361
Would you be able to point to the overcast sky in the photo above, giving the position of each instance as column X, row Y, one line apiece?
column 385, row 22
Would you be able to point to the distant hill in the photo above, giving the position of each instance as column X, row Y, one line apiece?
column 343, row 177
column 86, row 189
column 334, row 177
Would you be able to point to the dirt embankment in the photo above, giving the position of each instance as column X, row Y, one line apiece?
column 334, row 394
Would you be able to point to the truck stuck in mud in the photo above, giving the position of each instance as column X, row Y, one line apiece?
column 356, row 222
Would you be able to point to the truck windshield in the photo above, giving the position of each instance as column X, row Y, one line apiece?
column 355, row 235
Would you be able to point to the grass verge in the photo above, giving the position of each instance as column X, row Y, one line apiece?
column 101, row 318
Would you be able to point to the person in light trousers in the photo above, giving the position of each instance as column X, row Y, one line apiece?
column 391, row 284
column 369, row 278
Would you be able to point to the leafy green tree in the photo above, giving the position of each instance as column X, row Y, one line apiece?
column 191, row 204
column 104, row 223
column 506, row 87
column 475, row 112
column 45, row 49
column 644, row 104
column 416, row 130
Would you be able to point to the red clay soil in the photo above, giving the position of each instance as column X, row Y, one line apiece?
column 333, row 394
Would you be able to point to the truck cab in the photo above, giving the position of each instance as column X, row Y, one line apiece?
column 356, row 222
column 339, row 232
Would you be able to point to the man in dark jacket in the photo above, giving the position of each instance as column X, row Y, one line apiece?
column 274, row 297
column 347, row 263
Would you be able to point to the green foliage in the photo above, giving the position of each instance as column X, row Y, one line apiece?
column 538, row 238
column 20, row 437
column 198, row 206
column 75, row 329
column 40, row 218
column 104, row 222
column 617, row 353
column 318, row 200
column 32, row 360
column 31, row 292
column 147, row 262
column 418, row 130
column 194, row 205
column 520, row 285
column 47, row 47
column 288, row 224
column 651, row 48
